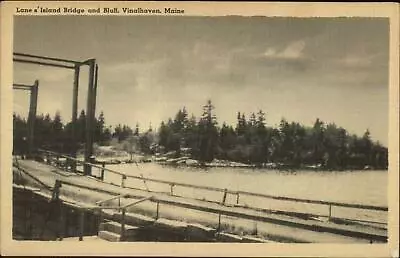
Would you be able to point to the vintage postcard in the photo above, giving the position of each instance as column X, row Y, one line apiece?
column 187, row 129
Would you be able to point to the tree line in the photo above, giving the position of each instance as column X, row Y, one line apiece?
column 53, row 134
column 251, row 140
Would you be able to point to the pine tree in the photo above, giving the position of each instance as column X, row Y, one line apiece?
column 99, row 128
column 260, row 119
column 208, row 133
column 252, row 121
column 163, row 133
column 136, row 133
column 57, row 136
column 81, row 127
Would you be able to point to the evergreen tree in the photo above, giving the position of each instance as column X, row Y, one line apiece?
column 99, row 129
column 318, row 141
column 208, row 133
column 81, row 127
column 192, row 135
column 20, row 135
column 227, row 140
column 260, row 119
column 57, row 136
column 163, row 133
column 136, row 133
column 252, row 121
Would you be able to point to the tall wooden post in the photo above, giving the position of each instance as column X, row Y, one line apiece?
column 90, row 115
column 158, row 210
column 122, row 238
column 32, row 117
column 219, row 223
column 74, row 135
column 95, row 89
column 81, row 224
column 62, row 225
column 100, row 219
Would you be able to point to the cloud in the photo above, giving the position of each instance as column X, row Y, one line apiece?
column 353, row 61
column 291, row 58
column 292, row 51
column 51, row 75
column 289, row 66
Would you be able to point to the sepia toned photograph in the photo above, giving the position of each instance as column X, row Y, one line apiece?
column 200, row 129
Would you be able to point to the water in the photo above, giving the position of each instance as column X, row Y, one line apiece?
column 361, row 187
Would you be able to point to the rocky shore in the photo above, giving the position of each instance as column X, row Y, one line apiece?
column 111, row 155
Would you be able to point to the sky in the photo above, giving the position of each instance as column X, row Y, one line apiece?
column 300, row 69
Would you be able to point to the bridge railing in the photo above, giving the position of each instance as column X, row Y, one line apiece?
column 224, row 191
column 120, row 208
column 69, row 163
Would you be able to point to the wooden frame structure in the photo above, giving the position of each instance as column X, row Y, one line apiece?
column 34, row 90
column 91, row 96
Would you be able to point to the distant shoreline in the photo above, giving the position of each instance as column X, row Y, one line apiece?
column 111, row 156
column 188, row 162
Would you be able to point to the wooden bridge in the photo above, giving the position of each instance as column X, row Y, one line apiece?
column 60, row 189
column 126, row 212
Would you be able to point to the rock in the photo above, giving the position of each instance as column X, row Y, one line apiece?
column 191, row 162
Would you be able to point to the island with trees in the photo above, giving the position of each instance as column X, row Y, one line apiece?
column 203, row 141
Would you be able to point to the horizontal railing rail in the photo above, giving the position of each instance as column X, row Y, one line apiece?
column 137, row 202
column 111, row 199
column 347, row 205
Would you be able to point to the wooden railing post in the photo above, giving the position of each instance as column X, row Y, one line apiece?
column 74, row 165
column 81, row 224
column 172, row 189
column 102, row 171
column 62, row 222
column 330, row 212
column 28, row 220
column 224, row 197
column 123, row 180
column 144, row 182
column 100, row 218
column 158, row 210
column 219, row 223
column 255, row 231
column 123, row 225
column 56, row 190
